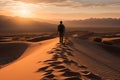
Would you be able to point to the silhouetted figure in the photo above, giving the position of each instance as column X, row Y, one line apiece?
column 61, row 31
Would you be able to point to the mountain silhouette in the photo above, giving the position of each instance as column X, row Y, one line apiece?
column 8, row 23
column 95, row 22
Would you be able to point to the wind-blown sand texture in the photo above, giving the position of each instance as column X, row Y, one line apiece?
column 74, row 60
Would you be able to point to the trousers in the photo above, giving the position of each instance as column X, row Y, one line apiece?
column 61, row 37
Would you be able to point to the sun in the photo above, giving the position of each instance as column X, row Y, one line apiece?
column 23, row 12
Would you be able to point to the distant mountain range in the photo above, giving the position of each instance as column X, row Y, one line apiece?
column 8, row 23
column 95, row 22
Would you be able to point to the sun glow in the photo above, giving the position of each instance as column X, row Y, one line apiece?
column 23, row 12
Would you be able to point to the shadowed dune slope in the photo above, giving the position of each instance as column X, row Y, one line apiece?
column 111, row 49
column 11, row 51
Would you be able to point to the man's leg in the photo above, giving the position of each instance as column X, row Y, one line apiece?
column 59, row 39
column 62, row 39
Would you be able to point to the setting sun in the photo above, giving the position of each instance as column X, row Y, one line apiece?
column 23, row 13
column 22, row 10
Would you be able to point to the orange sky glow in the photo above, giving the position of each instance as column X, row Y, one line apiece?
column 61, row 9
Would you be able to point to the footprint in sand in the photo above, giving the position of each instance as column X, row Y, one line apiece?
column 69, row 62
column 48, row 77
column 56, row 56
column 58, row 49
column 83, row 67
column 48, row 72
column 73, row 78
column 55, row 63
column 42, row 69
column 63, row 70
column 71, row 73
column 49, row 60
column 69, row 53
column 66, row 61
column 59, row 67
column 54, row 50
column 51, row 52
column 85, row 72
column 69, row 49
column 73, row 62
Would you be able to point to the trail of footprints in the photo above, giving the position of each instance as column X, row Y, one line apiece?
column 60, row 57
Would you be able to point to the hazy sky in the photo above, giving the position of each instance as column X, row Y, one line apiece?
column 61, row 9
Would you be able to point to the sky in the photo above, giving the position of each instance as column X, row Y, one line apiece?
column 61, row 9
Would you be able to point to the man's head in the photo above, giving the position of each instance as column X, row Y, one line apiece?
column 61, row 22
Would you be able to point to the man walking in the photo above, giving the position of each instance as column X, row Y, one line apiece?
column 61, row 31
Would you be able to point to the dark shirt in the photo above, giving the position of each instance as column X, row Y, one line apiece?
column 61, row 28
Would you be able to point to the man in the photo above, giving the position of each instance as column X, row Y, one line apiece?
column 61, row 31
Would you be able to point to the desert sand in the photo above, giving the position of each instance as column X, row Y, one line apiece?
column 76, row 59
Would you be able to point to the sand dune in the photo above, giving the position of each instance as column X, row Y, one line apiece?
column 75, row 60
column 10, row 51
column 98, row 59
